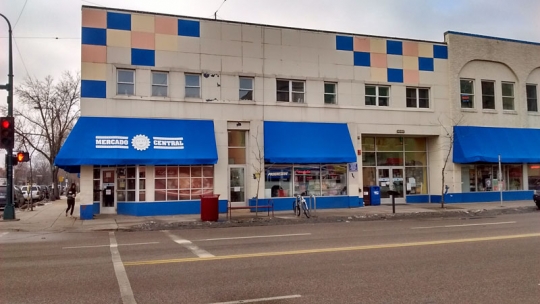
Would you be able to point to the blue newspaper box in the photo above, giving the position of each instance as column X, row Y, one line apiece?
column 375, row 193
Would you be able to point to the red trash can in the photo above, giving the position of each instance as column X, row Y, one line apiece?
column 210, row 207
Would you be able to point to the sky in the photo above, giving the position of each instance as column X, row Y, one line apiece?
column 37, row 23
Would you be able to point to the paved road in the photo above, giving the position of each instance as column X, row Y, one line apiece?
column 485, row 260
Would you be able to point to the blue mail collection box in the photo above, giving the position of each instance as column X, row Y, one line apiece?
column 375, row 193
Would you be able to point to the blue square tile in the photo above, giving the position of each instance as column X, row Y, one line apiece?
column 344, row 43
column 425, row 64
column 94, row 36
column 395, row 75
column 190, row 28
column 440, row 51
column 143, row 57
column 362, row 59
column 118, row 21
column 394, row 47
column 93, row 89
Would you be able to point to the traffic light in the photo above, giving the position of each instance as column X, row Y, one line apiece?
column 7, row 133
column 23, row 157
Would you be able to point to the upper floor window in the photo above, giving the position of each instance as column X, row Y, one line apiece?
column 330, row 93
column 508, row 95
column 467, row 93
column 532, row 98
column 160, row 83
column 193, row 85
column 246, row 88
column 377, row 95
column 418, row 98
column 290, row 90
column 488, row 94
column 125, row 82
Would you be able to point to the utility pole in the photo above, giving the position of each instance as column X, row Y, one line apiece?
column 9, row 211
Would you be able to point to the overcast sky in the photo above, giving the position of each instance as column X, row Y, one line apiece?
column 37, row 22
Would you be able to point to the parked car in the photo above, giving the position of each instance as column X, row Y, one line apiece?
column 44, row 192
column 18, row 196
column 35, row 194
column 536, row 198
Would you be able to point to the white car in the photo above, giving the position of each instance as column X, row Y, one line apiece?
column 35, row 195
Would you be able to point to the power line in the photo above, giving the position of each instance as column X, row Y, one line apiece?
column 93, row 3
column 20, row 14
column 20, row 55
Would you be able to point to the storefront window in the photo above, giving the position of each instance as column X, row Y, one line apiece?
column 369, row 175
column 514, row 177
column 174, row 183
column 368, row 158
column 368, row 143
column 389, row 143
column 416, row 180
column 389, row 158
column 237, row 147
column 415, row 159
column 533, row 171
column 318, row 180
column 142, row 184
column 415, row 143
column 333, row 180
column 278, row 181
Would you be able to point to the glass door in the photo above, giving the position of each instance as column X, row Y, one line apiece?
column 390, row 179
column 237, row 188
column 108, row 201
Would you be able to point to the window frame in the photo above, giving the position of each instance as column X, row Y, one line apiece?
column 417, row 98
column 166, row 85
column 377, row 95
column 240, row 89
column 186, row 86
column 470, row 95
column 118, row 82
column 334, row 94
column 290, row 90
column 530, row 100
column 485, row 96
column 512, row 98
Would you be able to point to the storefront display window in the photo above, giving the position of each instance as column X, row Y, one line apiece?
column 415, row 143
column 486, row 177
column 318, row 180
column 369, row 175
column 368, row 143
column 389, row 143
column 174, row 183
column 368, row 158
column 514, row 177
column 278, row 181
column 533, row 171
column 416, row 180
column 390, row 159
column 415, row 159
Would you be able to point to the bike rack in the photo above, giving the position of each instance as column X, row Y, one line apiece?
column 313, row 203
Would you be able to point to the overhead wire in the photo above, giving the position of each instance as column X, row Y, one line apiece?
column 20, row 14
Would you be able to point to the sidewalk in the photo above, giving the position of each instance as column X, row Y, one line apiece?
column 51, row 216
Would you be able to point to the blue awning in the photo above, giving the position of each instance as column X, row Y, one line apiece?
column 485, row 144
column 138, row 141
column 307, row 143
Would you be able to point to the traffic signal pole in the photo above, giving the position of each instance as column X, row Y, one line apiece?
column 9, row 210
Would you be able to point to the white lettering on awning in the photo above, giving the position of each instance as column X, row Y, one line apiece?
column 112, row 142
column 175, row 143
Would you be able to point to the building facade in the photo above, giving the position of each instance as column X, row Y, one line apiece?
column 175, row 107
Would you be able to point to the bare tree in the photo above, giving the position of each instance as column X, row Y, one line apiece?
column 449, row 134
column 47, row 112
column 258, row 169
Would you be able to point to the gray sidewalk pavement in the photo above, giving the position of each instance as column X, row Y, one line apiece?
column 51, row 216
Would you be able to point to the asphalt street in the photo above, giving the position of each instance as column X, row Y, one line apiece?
column 482, row 260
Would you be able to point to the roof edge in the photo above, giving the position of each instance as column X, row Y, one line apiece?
column 491, row 37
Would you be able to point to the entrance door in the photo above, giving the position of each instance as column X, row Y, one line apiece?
column 237, row 185
column 107, row 195
column 391, row 178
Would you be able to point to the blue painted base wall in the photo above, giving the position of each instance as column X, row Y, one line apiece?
column 471, row 197
column 194, row 207
column 96, row 208
column 164, row 208
column 323, row 202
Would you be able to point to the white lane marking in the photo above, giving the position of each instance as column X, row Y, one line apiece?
column 3, row 233
column 252, row 237
column 121, row 276
column 261, row 299
column 464, row 225
column 96, row 246
column 186, row 243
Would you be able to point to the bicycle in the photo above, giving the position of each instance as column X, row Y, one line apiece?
column 299, row 205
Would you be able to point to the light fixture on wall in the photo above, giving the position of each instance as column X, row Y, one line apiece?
column 238, row 124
